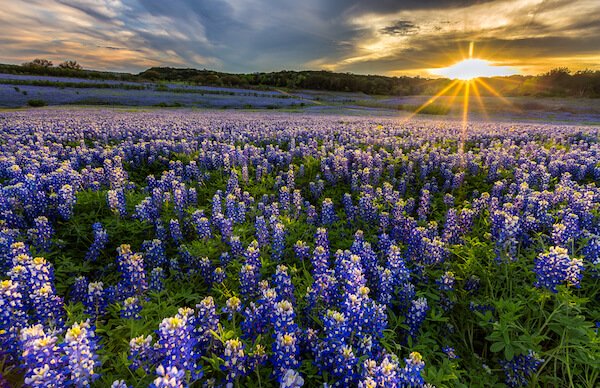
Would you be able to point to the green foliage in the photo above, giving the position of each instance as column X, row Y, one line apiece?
column 36, row 103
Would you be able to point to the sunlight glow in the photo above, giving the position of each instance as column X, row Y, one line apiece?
column 466, row 76
column 473, row 68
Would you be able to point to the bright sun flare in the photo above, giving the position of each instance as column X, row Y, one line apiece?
column 473, row 68
column 466, row 77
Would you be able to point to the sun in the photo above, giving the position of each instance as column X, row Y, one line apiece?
column 471, row 68
column 466, row 79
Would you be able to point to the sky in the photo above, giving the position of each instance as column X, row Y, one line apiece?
column 359, row 36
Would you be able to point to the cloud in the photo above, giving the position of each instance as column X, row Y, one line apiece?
column 380, row 36
column 401, row 27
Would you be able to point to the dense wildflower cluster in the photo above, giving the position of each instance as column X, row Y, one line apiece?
column 48, row 363
column 318, row 251
column 556, row 267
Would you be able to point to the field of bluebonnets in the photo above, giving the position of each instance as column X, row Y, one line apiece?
column 175, row 249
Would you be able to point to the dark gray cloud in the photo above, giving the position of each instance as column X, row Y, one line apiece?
column 380, row 36
column 401, row 27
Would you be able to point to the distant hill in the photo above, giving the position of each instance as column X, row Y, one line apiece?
column 556, row 83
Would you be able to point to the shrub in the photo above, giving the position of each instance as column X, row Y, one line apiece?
column 36, row 103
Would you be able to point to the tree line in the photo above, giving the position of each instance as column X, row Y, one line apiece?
column 559, row 82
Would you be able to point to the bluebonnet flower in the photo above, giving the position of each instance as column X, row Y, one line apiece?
column 312, row 217
column 387, row 374
column 169, row 377
column 175, row 268
column 144, row 211
column 285, row 354
column 237, row 249
column 328, row 215
column 278, row 243
column 95, row 303
column 344, row 365
column 411, row 374
column 235, row 359
column 66, row 201
column 119, row 384
column 233, row 182
column 232, row 305
column 157, row 277
column 207, row 319
column 48, row 307
column 446, row 282
column 366, row 208
column 321, row 239
column 320, row 260
column 252, row 255
column 142, row 354
column 218, row 275
column 154, row 253
column 556, row 267
column 12, row 317
column 41, row 358
column 330, row 348
column 348, row 207
column 131, row 308
column 249, row 277
column 385, row 285
column 291, row 379
column 451, row 228
column 302, row 250
column 179, row 199
column 424, row 204
column 257, row 358
column 262, row 232
column 100, row 240
column 416, row 316
column 397, row 265
column 226, row 229
column 283, row 317
column 283, row 284
column 450, row 352
column 116, row 201
column 202, row 225
column 42, row 233
column 449, row 200
column 175, row 230
column 465, row 220
column 284, row 198
column 80, row 350
column 177, row 343
column 472, row 284
column 231, row 207
column 520, row 368
column 505, row 229
column 131, row 266
column 79, row 289
column 257, row 317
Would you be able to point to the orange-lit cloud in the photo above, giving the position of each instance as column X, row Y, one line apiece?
column 378, row 36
